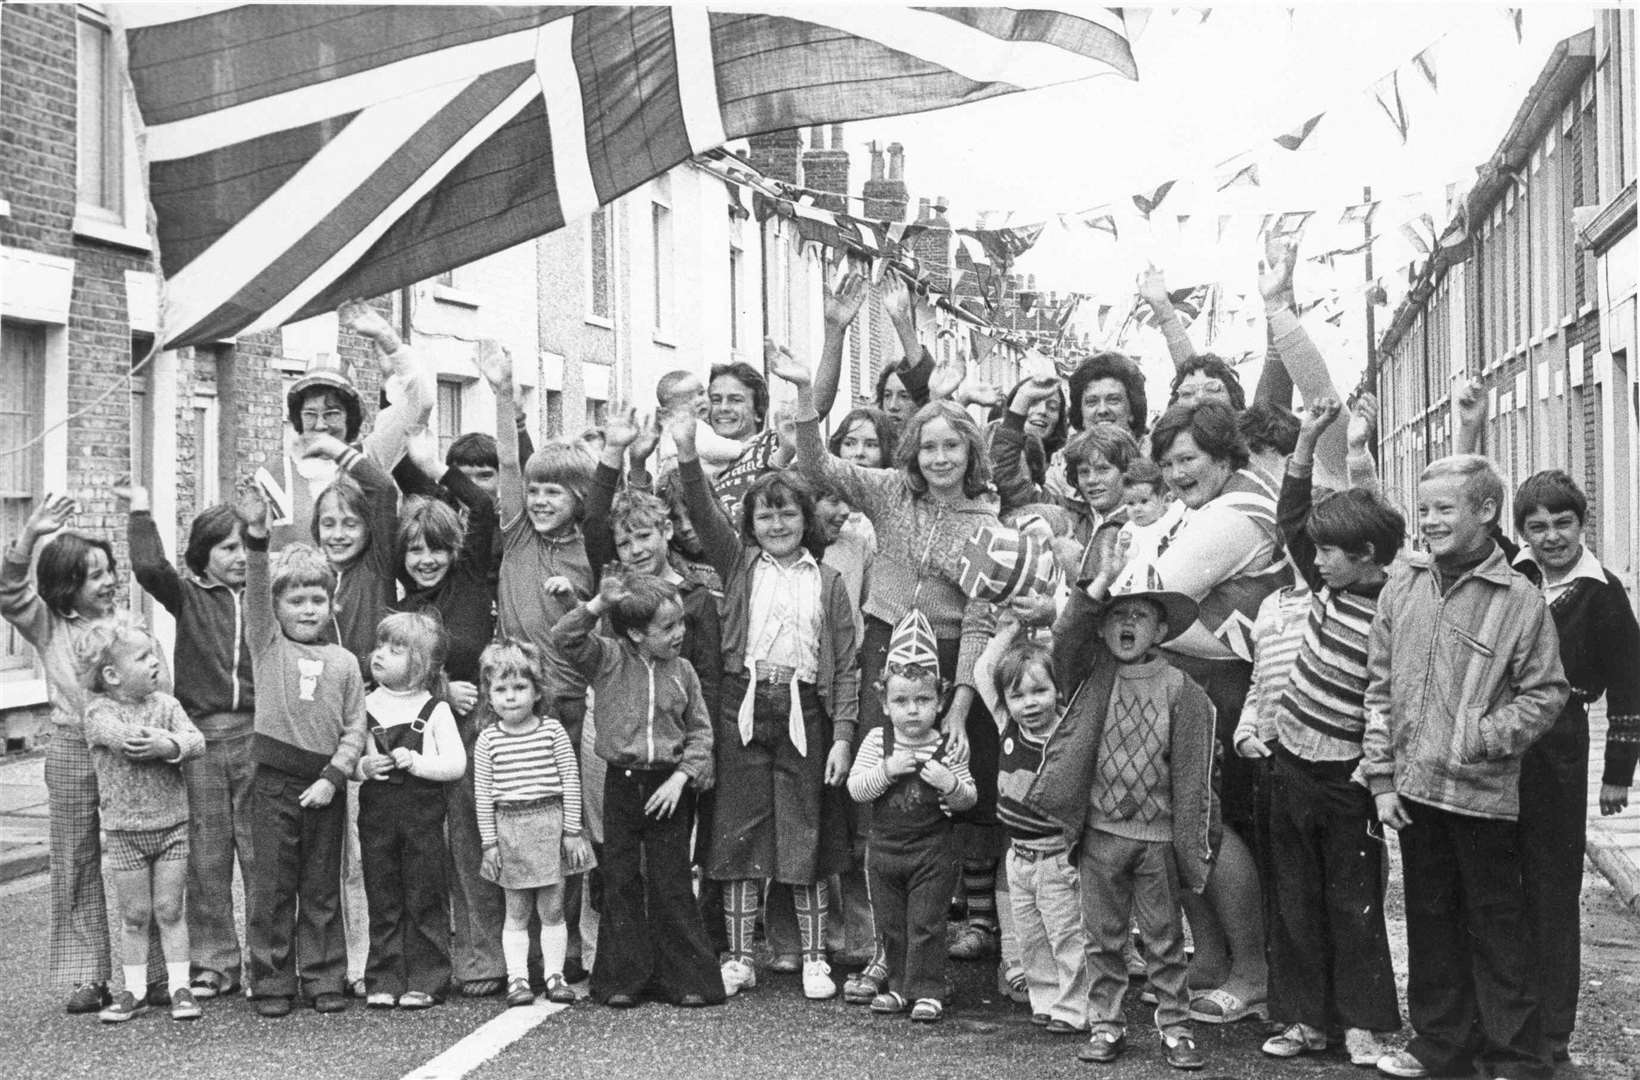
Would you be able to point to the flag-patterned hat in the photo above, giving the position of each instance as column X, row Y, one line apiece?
column 1144, row 582
column 999, row 564
column 913, row 644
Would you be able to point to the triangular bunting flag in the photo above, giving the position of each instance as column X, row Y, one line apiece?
column 1103, row 223
column 1358, row 214
column 1149, row 201
column 1245, row 175
column 1514, row 15
column 1293, row 139
column 1387, row 91
column 1420, row 233
column 1425, row 63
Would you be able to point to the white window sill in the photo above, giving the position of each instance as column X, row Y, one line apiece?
column 599, row 321
column 449, row 294
column 23, row 689
column 108, row 232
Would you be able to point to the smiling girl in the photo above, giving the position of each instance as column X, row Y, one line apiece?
column 77, row 589
column 790, row 697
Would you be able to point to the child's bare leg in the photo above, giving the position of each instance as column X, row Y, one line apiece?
column 1238, row 910
column 133, row 890
column 170, row 911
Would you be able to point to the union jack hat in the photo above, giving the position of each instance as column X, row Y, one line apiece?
column 1144, row 583
column 999, row 564
column 913, row 644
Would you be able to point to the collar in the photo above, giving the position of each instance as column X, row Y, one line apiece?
column 1588, row 566
column 1494, row 568
column 806, row 558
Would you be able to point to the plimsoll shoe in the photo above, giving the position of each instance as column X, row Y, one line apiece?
column 184, row 1007
column 87, row 998
column 124, row 1006
column 1295, row 1040
column 817, row 984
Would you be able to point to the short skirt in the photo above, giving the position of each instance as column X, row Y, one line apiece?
column 530, row 837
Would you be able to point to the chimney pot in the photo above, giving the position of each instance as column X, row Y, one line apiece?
column 896, row 161
column 922, row 204
column 837, row 136
column 817, row 137
column 876, row 162
column 1030, row 282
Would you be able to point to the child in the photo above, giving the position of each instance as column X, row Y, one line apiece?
column 1329, row 949
column 1150, row 514
column 412, row 749
column 656, row 741
column 791, row 691
column 310, row 731
column 1142, row 834
column 1045, row 894
column 1598, row 645
column 529, row 815
column 914, row 783
column 138, row 735
column 1463, row 671
column 78, row 588
column 683, row 391
column 217, row 692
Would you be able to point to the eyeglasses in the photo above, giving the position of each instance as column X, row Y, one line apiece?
column 329, row 416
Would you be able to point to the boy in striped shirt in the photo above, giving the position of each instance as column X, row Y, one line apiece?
column 1329, row 950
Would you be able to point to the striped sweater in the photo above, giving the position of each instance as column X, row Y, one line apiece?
column 514, row 767
column 868, row 781
column 1322, row 714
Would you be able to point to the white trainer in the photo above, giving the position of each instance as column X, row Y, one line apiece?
column 817, row 984
column 738, row 975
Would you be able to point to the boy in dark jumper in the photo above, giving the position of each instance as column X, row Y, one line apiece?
column 310, row 728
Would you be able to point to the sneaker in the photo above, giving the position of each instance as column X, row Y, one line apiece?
column 1011, row 984
column 1402, row 1063
column 862, row 986
column 1103, row 1047
column 738, row 975
column 1363, row 1047
column 973, row 943
column 207, row 984
column 519, row 993
column 1182, row 1052
column 1297, row 1039
column 416, row 999
column 184, row 1007
column 273, row 1007
column 87, row 998
column 558, row 991
column 124, row 1006
column 380, row 999
column 817, row 984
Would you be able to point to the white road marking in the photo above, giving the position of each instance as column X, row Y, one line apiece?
column 485, row 1043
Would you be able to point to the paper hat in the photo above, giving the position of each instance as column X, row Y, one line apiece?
column 327, row 372
column 913, row 644
column 1145, row 583
column 999, row 564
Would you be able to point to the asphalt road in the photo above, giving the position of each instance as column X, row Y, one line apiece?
column 770, row 1032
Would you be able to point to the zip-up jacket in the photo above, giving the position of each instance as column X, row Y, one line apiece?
column 838, row 681
column 1458, row 686
column 1070, row 762
column 367, row 587
column 650, row 715
column 211, row 660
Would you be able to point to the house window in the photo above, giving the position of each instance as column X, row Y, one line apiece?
column 600, row 284
column 207, row 451
column 734, row 298
column 101, row 135
column 555, row 414
column 597, row 412
column 22, row 472
column 449, row 413
column 660, row 224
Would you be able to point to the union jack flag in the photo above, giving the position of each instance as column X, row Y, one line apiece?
column 303, row 154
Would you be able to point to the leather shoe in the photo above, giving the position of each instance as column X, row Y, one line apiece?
column 329, row 1002
column 621, row 1001
column 273, row 1007
column 1102, row 1048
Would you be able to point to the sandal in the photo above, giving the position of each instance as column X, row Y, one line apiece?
column 927, row 1011
column 1013, row 987
column 889, row 1002
column 1222, row 1007
column 209, row 984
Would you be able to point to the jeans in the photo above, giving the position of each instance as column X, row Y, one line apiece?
column 1046, row 895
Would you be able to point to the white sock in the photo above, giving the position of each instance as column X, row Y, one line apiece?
column 136, row 978
column 554, row 942
column 515, row 948
column 176, row 975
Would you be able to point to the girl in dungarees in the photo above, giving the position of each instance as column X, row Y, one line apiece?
column 914, row 782
column 411, row 751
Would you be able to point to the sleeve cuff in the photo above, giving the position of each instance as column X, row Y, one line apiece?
column 337, row 778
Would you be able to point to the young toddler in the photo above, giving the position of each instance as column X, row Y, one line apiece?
column 138, row 736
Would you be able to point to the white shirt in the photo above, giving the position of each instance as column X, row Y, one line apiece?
column 1587, row 567
column 784, row 627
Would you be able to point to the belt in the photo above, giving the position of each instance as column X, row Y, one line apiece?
column 1031, row 854
column 775, row 673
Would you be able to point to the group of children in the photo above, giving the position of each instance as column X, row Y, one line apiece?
column 531, row 686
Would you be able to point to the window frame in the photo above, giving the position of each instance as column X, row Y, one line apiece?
column 125, row 225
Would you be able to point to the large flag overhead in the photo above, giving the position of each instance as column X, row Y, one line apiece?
column 300, row 155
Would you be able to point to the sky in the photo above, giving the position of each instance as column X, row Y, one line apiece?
column 1209, row 90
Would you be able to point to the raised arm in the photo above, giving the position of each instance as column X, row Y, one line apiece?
column 409, row 384
column 1153, row 291
column 20, row 605
column 1360, row 465
column 149, row 565
column 495, row 363
column 1008, row 465
column 864, row 489
column 718, row 538
column 261, row 631
column 621, row 431
column 1471, row 437
column 1293, row 507
column 841, row 306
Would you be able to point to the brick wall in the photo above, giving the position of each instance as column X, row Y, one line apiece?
column 37, row 102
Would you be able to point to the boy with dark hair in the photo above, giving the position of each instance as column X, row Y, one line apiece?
column 310, row 729
column 1329, row 949
column 1599, row 642
column 1463, row 674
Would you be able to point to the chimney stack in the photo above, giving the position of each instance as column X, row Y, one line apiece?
column 827, row 170
column 777, row 154
column 886, row 198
